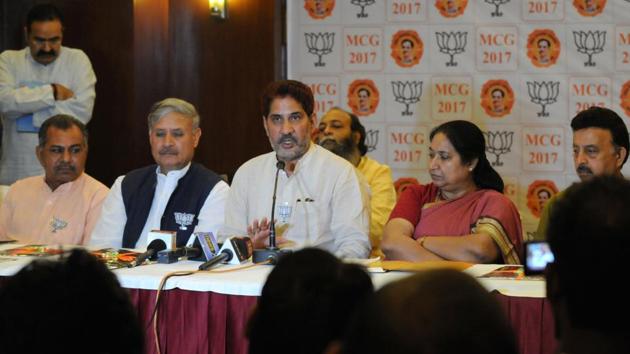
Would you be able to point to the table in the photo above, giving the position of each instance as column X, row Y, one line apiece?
column 208, row 312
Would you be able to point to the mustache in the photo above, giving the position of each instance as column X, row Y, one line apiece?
column 287, row 138
column 327, row 140
column 43, row 53
column 65, row 166
column 584, row 169
column 168, row 151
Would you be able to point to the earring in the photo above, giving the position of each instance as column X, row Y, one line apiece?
column 470, row 169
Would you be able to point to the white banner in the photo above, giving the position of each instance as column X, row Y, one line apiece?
column 519, row 69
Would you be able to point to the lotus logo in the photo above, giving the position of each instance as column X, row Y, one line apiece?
column 320, row 44
column 371, row 140
column 57, row 224
column 497, row 4
column 498, row 143
column 407, row 93
column 589, row 43
column 451, row 43
column 363, row 4
column 543, row 93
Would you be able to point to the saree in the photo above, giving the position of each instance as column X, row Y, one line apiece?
column 482, row 211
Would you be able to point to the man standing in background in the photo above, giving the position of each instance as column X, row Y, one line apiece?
column 38, row 82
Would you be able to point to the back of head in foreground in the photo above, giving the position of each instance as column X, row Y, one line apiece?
column 439, row 311
column 306, row 303
column 589, row 234
column 72, row 305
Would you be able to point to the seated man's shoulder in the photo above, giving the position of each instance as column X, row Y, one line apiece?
column 28, row 182
column 29, row 185
column 94, row 185
column 139, row 172
column 75, row 53
column 12, row 55
column 372, row 168
column 204, row 173
column 258, row 163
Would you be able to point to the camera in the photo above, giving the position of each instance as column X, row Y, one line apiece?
column 537, row 255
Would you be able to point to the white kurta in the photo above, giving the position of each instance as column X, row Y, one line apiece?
column 25, row 89
column 111, row 225
column 320, row 205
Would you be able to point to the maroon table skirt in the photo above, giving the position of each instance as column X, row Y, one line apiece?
column 532, row 321
column 195, row 322
column 207, row 322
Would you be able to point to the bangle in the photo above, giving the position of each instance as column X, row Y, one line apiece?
column 54, row 91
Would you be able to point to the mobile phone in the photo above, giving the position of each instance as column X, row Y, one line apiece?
column 537, row 255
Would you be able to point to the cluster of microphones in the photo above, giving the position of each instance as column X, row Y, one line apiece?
column 204, row 248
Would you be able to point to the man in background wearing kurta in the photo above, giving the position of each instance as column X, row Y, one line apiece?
column 62, row 206
column 342, row 133
column 320, row 202
column 40, row 81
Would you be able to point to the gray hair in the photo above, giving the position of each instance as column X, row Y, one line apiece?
column 169, row 105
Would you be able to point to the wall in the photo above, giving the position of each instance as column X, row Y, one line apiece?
column 145, row 50
column 520, row 70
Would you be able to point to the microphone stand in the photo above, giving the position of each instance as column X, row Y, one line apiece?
column 272, row 225
column 272, row 253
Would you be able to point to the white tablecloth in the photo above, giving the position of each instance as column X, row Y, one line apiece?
column 250, row 281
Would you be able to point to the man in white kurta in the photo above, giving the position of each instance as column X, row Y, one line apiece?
column 320, row 201
column 36, row 83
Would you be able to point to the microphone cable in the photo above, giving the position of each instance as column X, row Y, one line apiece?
column 154, row 316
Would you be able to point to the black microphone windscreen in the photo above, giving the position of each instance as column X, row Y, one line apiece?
column 280, row 165
column 157, row 245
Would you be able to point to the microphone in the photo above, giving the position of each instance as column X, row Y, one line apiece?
column 272, row 226
column 272, row 252
column 153, row 248
column 235, row 250
column 208, row 244
column 172, row 255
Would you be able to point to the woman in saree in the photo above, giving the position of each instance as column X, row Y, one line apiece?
column 463, row 214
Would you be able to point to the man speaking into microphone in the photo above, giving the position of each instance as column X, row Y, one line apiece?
column 319, row 200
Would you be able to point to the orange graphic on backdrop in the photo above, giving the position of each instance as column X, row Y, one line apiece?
column 624, row 98
column 407, row 48
column 451, row 8
column 543, row 48
column 319, row 9
column 538, row 194
column 497, row 98
column 363, row 97
column 589, row 8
